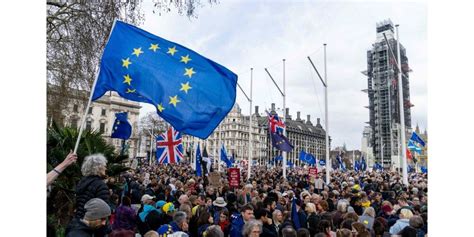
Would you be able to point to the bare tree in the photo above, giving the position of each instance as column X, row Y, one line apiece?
column 77, row 32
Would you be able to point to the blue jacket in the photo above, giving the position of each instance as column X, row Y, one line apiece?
column 237, row 224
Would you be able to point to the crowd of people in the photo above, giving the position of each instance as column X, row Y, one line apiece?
column 170, row 200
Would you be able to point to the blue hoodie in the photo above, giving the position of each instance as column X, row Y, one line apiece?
column 146, row 210
column 237, row 224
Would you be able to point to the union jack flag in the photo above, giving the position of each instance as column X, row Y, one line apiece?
column 275, row 123
column 168, row 147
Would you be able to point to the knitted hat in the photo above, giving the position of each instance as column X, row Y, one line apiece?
column 96, row 208
column 168, row 207
column 164, row 230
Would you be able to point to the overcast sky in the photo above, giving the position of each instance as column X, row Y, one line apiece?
column 259, row 34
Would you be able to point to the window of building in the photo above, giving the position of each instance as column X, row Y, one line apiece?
column 102, row 127
column 103, row 112
column 75, row 108
column 90, row 110
column 74, row 123
column 89, row 125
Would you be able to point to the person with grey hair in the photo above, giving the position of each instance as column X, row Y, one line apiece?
column 180, row 222
column 341, row 209
column 252, row 228
column 213, row 231
column 91, row 184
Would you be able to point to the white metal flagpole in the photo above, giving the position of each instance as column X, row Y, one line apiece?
column 219, row 147
column 284, row 119
column 402, row 112
column 90, row 98
column 328, row 159
column 250, row 128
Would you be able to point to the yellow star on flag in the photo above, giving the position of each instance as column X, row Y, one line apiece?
column 137, row 51
column 185, row 87
column 189, row 72
column 118, row 122
column 130, row 90
column 128, row 79
column 154, row 47
column 185, row 59
column 126, row 62
column 174, row 100
column 172, row 51
column 160, row 107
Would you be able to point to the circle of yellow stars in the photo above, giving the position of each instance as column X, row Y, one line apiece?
column 188, row 72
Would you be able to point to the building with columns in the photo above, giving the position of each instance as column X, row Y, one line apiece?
column 101, row 116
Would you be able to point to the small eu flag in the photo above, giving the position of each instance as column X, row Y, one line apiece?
column 225, row 158
column 307, row 157
column 281, row 143
column 294, row 215
column 189, row 91
column 122, row 128
column 198, row 162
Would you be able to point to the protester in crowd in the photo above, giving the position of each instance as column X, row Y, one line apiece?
column 218, row 205
column 325, row 227
column 359, row 230
column 213, row 231
column 52, row 175
column 238, row 220
column 95, row 217
column 288, row 232
column 341, row 210
column 265, row 217
column 92, row 184
column 368, row 218
column 205, row 220
column 277, row 220
column 344, row 233
column 405, row 215
column 313, row 218
column 252, row 228
column 125, row 216
column 224, row 221
column 414, row 228
column 303, row 232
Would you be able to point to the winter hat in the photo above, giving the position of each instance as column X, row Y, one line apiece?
column 96, row 208
column 160, row 204
column 164, row 230
column 386, row 208
column 168, row 207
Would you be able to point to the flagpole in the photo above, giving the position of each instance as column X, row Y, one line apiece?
column 219, row 152
column 402, row 112
column 328, row 164
column 90, row 97
column 284, row 119
column 250, row 128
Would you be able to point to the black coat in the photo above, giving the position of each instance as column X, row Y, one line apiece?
column 77, row 228
column 313, row 223
column 268, row 231
column 90, row 187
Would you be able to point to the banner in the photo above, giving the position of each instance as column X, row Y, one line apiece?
column 214, row 179
column 234, row 177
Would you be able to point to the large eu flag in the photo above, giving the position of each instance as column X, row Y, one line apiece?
column 281, row 143
column 189, row 91
column 122, row 128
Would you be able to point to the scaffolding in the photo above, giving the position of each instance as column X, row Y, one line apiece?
column 382, row 91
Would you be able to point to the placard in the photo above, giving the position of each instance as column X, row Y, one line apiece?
column 234, row 177
column 214, row 179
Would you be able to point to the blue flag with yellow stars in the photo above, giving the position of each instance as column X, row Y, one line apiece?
column 189, row 91
column 122, row 128
column 281, row 143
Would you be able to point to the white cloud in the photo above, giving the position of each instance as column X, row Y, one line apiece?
column 241, row 35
